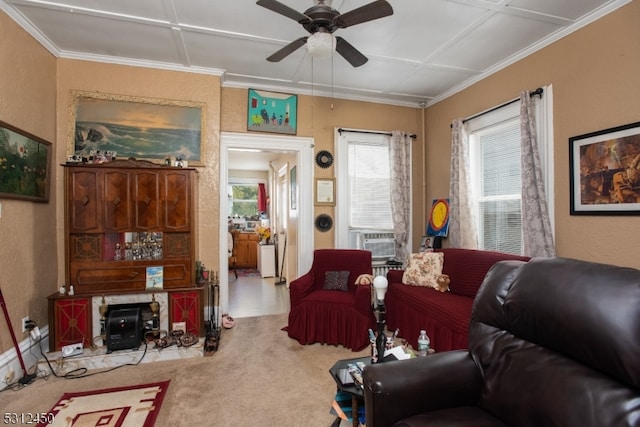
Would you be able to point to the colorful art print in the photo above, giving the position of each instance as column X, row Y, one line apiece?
column 438, row 223
column 605, row 172
column 25, row 163
column 136, row 127
column 272, row 112
column 155, row 277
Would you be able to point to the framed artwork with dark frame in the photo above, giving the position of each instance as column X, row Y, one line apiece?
column 325, row 192
column 272, row 112
column 25, row 165
column 605, row 171
column 142, row 128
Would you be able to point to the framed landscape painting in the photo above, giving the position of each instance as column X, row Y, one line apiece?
column 605, row 172
column 25, row 163
column 272, row 112
column 142, row 128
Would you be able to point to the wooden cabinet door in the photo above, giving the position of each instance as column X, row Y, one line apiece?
column 146, row 196
column 177, row 201
column 117, row 201
column 246, row 253
column 84, row 201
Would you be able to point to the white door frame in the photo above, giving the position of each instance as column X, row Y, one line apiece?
column 303, row 147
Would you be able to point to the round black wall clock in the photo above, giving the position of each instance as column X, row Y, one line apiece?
column 324, row 222
column 324, row 159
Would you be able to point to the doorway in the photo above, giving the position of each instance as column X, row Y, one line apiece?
column 300, row 220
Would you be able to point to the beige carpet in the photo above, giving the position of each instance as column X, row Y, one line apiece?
column 258, row 377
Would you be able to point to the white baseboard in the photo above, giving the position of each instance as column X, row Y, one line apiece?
column 30, row 351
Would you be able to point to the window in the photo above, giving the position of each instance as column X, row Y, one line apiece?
column 494, row 142
column 496, row 185
column 364, row 187
column 369, row 188
column 243, row 200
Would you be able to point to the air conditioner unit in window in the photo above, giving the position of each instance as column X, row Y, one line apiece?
column 381, row 245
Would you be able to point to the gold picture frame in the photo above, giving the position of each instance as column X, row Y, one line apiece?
column 130, row 126
column 325, row 192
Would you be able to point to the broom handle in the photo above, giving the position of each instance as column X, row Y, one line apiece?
column 13, row 335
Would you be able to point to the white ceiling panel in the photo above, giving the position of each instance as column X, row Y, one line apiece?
column 429, row 83
column 425, row 50
column 484, row 46
column 573, row 10
column 81, row 33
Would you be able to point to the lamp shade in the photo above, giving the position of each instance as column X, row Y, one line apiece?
column 321, row 45
column 380, row 284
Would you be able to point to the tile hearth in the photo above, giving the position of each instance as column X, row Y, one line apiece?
column 95, row 359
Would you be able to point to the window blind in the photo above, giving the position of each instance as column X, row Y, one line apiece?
column 499, row 198
column 369, row 186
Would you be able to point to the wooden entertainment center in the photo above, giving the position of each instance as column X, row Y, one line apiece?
column 121, row 218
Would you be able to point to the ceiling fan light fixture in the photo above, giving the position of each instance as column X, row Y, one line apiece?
column 321, row 45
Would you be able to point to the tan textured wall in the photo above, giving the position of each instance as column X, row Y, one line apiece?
column 317, row 119
column 76, row 75
column 594, row 73
column 27, row 229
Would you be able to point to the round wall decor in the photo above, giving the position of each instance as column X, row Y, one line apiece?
column 324, row 159
column 324, row 222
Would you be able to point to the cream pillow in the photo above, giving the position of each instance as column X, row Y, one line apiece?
column 424, row 269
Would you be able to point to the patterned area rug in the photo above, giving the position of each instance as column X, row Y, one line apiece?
column 115, row 407
column 248, row 272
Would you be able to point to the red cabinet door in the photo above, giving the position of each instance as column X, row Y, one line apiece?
column 72, row 319
column 186, row 307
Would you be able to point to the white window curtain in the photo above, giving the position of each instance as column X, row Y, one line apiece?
column 400, row 162
column 462, row 231
column 537, row 236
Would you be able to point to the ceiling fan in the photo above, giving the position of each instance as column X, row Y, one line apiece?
column 322, row 19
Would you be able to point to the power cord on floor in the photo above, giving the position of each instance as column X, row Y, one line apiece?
column 84, row 372
column 34, row 334
column 28, row 378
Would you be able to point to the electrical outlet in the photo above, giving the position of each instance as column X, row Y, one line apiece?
column 9, row 376
column 25, row 320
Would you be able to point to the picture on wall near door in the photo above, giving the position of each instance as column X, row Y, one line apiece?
column 272, row 112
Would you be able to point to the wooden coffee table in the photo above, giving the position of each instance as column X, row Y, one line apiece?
column 357, row 394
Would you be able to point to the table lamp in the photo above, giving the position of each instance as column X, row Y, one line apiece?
column 380, row 285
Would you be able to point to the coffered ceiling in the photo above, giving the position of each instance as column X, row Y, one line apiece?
column 424, row 52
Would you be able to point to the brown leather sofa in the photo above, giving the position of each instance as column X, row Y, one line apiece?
column 552, row 342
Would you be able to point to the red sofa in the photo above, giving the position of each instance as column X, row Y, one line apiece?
column 444, row 315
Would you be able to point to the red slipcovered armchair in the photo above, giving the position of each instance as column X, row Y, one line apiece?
column 334, row 317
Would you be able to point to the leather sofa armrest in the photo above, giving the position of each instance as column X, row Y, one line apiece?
column 300, row 287
column 396, row 390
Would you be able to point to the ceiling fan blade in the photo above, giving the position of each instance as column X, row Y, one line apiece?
column 285, row 10
column 350, row 53
column 287, row 50
column 368, row 12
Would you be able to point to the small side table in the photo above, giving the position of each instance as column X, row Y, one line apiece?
column 357, row 394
